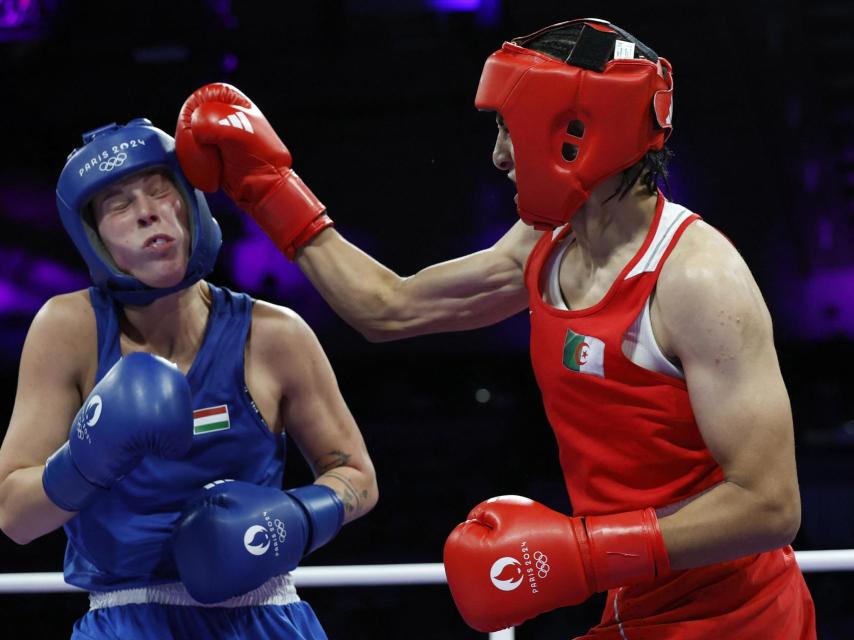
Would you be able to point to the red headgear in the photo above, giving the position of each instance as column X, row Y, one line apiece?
column 578, row 121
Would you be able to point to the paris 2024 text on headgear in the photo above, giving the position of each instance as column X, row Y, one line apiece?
column 109, row 154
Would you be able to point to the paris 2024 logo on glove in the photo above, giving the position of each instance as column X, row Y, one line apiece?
column 257, row 539
column 88, row 418
column 508, row 573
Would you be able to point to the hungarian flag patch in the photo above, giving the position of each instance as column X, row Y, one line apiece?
column 211, row 419
column 584, row 354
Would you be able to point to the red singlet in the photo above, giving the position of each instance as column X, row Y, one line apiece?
column 628, row 440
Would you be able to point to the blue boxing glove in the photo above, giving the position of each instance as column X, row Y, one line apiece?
column 234, row 536
column 141, row 406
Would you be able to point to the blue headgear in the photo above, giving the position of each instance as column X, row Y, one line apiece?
column 111, row 153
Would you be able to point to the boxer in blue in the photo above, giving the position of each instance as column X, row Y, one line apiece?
column 179, row 394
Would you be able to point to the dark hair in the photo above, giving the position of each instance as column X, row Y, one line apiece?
column 650, row 169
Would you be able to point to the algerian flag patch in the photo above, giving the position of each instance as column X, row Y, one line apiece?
column 211, row 419
column 584, row 354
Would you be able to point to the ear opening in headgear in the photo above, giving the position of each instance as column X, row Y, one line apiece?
column 578, row 98
column 569, row 151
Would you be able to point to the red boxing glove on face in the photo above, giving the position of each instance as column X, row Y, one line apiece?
column 223, row 140
column 514, row 559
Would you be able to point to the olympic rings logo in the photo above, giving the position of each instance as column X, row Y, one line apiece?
column 542, row 563
column 281, row 533
column 113, row 161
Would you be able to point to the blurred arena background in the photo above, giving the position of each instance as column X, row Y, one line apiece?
column 375, row 100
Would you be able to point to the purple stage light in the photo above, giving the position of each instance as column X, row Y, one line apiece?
column 827, row 308
column 51, row 278
column 229, row 63
column 16, row 13
column 28, row 203
column 259, row 267
column 812, row 175
column 20, row 19
column 16, row 300
column 223, row 10
column 486, row 12
column 455, row 5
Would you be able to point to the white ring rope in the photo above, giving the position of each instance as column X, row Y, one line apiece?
column 384, row 574
column 387, row 574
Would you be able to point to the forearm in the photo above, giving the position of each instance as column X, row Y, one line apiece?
column 360, row 290
column 26, row 512
column 356, row 488
column 727, row 522
column 470, row 292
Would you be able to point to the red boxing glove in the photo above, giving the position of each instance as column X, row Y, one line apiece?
column 223, row 140
column 514, row 559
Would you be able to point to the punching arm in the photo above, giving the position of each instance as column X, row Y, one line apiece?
column 223, row 140
column 473, row 291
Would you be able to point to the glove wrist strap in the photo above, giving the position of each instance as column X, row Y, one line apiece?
column 291, row 214
column 325, row 513
column 625, row 548
column 63, row 483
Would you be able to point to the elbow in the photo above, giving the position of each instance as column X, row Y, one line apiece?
column 386, row 318
column 791, row 524
column 370, row 502
column 382, row 328
column 373, row 493
column 378, row 333
column 18, row 537
column 783, row 519
column 13, row 530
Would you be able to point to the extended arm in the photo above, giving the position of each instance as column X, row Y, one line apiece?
column 718, row 325
column 253, row 166
column 476, row 290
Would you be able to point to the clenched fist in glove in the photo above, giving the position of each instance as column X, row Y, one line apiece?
column 514, row 559
column 223, row 140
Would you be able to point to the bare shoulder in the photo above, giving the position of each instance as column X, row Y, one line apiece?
column 65, row 330
column 278, row 331
column 706, row 293
column 72, row 307
column 59, row 360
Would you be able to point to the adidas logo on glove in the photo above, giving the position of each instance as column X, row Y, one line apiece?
column 238, row 120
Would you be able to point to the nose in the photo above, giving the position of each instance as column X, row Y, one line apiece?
column 502, row 154
column 146, row 210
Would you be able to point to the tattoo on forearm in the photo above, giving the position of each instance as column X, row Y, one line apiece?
column 332, row 460
column 352, row 499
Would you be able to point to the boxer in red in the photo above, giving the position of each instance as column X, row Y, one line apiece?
column 650, row 341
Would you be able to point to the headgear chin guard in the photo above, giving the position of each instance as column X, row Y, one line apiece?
column 111, row 153
column 575, row 122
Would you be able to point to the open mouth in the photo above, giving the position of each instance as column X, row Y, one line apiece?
column 159, row 241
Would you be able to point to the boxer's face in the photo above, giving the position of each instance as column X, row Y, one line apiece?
column 502, row 155
column 142, row 221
